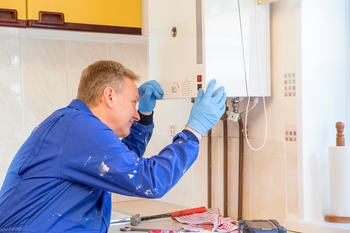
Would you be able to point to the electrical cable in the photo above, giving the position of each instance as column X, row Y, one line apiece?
column 248, row 109
column 254, row 14
column 240, row 24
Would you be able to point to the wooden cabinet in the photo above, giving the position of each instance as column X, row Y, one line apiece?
column 81, row 15
column 13, row 13
column 86, row 15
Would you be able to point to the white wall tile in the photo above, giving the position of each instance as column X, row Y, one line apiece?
column 9, row 52
column 8, row 31
column 158, row 141
column 233, row 174
column 143, row 77
column 217, row 180
column 270, row 147
column 86, row 36
column 8, row 150
column 11, row 127
column 41, row 33
column 246, row 192
column 43, row 54
column 200, row 170
column 44, row 92
column 217, row 129
column 268, row 187
column 81, row 54
column 291, row 178
column 160, row 118
column 73, row 79
column 183, row 193
column 132, row 56
column 120, row 38
column 178, row 112
column 121, row 198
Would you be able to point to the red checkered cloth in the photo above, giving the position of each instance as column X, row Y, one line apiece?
column 209, row 220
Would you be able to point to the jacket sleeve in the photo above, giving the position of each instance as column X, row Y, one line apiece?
column 138, row 138
column 93, row 155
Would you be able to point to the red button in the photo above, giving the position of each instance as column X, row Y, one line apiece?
column 199, row 86
column 199, row 78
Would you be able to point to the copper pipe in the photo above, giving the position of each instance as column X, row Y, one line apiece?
column 209, row 169
column 240, row 176
column 225, row 169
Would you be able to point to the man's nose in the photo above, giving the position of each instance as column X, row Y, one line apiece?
column 137, row 116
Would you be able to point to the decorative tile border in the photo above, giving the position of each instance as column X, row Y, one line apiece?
column 172, row 130
column 290, row 132
column 289, row 85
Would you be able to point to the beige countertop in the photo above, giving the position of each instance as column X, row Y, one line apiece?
column 145, row 207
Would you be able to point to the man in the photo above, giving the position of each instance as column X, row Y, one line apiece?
column 61, row 178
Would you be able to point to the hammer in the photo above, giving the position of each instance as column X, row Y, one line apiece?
column 136, row 219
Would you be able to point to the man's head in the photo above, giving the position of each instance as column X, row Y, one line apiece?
column 108, row 89
column 99, row 75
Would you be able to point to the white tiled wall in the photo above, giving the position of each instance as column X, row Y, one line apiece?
column 40, row 71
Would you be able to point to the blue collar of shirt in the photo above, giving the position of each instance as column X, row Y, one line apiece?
column 79, row 105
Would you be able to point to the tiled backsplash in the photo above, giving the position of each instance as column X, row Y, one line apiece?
column 40, row 71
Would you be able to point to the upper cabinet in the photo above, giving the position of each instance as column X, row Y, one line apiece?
column 82, row 15
column 13, row 13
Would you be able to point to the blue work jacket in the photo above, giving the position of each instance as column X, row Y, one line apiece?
column 61, row 178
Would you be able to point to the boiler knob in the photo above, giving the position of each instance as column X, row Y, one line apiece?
column 174, row 87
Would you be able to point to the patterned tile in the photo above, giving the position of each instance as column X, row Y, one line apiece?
column 290, row 132
column 289, row 85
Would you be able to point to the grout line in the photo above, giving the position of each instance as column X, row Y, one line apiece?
column 285, row 178
column 66, row 65
column 250, row 186
column 22, row 85
column 107, row 47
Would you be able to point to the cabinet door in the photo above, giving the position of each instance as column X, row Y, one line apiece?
column 13, row 13
column 86, row 15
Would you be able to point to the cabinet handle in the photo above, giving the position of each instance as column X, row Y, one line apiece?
column 8, row 15
column 46, row 17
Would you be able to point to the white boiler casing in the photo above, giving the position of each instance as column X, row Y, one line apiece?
column 208, row 45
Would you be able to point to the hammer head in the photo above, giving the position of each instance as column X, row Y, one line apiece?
column 135, row 220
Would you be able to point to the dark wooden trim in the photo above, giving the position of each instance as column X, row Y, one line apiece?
column 20, row 23
column 46, row 17
column 8, row 18
column 86, row 27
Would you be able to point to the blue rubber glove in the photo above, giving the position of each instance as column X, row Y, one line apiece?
column 148, row 93
column 207, row 109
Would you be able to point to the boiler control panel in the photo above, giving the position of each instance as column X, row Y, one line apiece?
column 185, row 88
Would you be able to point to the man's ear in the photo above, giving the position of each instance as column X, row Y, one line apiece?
column 109, row 97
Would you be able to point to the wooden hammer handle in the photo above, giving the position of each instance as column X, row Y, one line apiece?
column 340, row 135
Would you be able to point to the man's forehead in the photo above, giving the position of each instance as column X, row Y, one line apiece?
column 130, row 87
column 136, row 94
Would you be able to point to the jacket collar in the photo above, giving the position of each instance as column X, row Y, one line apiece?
column 79, row 105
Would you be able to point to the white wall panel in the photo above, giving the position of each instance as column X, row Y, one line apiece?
column 209, row 43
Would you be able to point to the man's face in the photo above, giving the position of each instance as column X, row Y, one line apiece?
column 124, row 111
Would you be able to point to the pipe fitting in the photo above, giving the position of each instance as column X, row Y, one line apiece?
column 235, row 104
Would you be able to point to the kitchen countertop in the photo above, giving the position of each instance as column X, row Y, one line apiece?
column 145, row 207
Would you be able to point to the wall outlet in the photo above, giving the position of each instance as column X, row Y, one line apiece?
column 172, row 130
